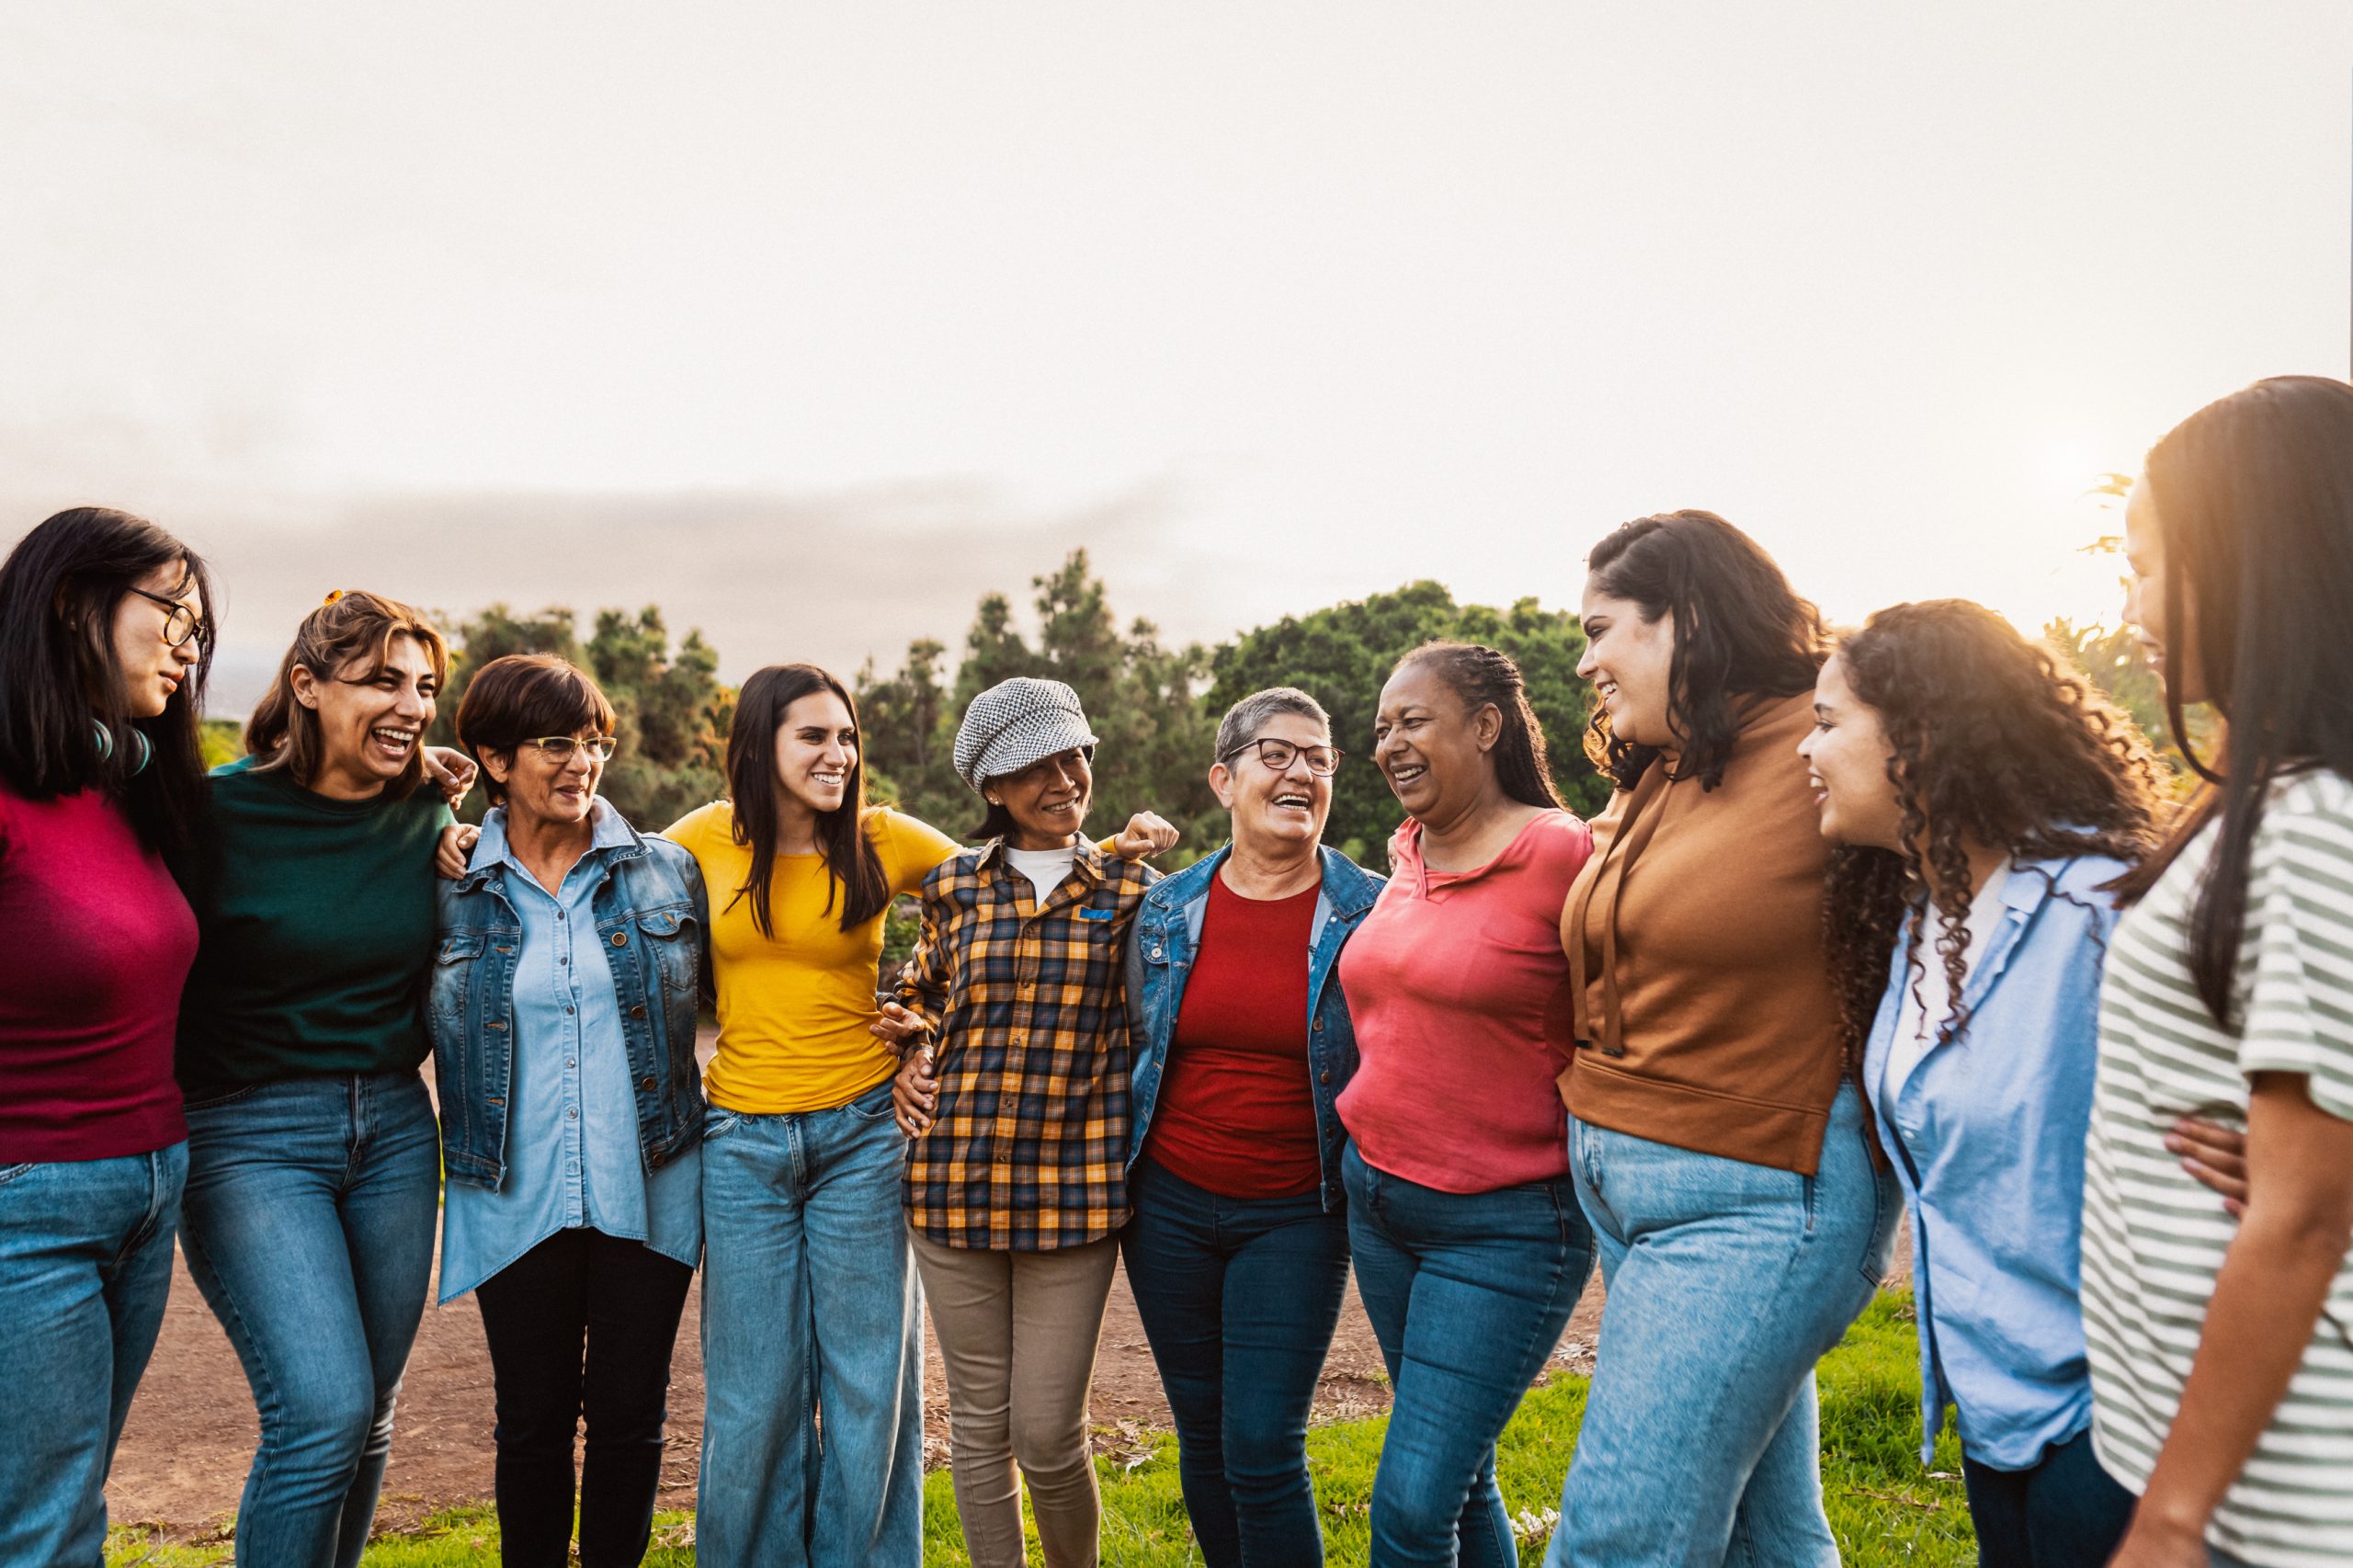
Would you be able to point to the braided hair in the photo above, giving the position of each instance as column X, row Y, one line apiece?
column 1481, row 675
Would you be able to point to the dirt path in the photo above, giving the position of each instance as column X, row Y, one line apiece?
column 192, row 1430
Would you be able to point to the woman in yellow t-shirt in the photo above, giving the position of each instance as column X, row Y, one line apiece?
column 809, row 1300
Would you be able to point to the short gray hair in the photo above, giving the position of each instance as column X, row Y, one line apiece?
column 1246, row 718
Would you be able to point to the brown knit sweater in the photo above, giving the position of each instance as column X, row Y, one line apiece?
column 1704, row 1014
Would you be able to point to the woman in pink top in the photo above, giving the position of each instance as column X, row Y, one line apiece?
column 1470, row 1250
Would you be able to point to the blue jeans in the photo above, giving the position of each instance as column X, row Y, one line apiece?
column 1239, row 1298
column 86, row 1264
column 309, row 1227
column 2063, row 1511
column 1727, row 1281
column 1468, row 1294
column 808, row 1303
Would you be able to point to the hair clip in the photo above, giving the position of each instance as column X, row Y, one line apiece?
column 333, row 594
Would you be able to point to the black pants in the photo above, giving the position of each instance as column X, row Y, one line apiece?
column 581, row 1326
column 2063, row 1512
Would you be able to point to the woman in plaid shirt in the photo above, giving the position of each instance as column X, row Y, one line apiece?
column 1017, row 1166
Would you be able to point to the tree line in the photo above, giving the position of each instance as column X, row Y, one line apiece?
column 1155, row 706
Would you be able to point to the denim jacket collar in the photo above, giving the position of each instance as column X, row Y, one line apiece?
column 1345, row 891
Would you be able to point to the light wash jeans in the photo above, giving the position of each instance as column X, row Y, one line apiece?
column 808, row 1303
column 85, row 1265
column 308, row 1225
column 1468, row 1294
column 1726, row 1282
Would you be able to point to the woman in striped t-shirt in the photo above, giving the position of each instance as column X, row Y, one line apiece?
column 2221, row 1342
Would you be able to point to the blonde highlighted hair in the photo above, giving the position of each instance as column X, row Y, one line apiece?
column 351, row 629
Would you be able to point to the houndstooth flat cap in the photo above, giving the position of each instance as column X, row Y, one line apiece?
column 1015, row 723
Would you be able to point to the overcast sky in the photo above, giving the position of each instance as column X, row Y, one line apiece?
column 812, row 322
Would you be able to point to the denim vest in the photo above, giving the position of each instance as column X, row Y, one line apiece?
column 1161, row 949
column 653, row 917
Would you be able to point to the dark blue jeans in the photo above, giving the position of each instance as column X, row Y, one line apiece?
column 1468, row 1294
column 1239, row 1298
column 2065, row 1511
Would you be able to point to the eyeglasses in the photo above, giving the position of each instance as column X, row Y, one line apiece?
column 180, row 623
column 1322, row 761
column 559, row 748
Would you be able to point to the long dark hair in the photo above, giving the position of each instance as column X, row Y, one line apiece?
column 2255, row 501
column 1994, row 741
column 1480, row 675
column 59, row 686
column 852, row 863
column 1740, row 631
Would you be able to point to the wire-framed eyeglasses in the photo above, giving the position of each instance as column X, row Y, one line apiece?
column 1322, row 761
column 559, row 748
column 180, row 623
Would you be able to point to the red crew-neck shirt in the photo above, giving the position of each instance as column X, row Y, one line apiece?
column 1236, row 1115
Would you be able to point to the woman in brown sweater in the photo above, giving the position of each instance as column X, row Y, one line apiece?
column 1716, row 1138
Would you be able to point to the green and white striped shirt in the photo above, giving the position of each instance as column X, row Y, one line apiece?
column 2153, row 1239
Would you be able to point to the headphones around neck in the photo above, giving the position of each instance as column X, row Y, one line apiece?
column 140, row 744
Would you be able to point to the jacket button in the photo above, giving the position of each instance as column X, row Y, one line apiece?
column 1319, row 1026
column 638, row 1011
column 1323, row 1077
column 621, row 938
column 646, row 1083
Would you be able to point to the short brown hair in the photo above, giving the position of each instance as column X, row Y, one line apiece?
column 521, row 697
column 348, row 629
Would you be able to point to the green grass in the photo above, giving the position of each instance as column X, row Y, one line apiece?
column 1884, row 1507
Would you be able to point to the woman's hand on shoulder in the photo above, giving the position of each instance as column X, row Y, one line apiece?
column 915, row 1093
column 1145, row 836
column 2215, row 1155
column 456, row 846
column 453, row 771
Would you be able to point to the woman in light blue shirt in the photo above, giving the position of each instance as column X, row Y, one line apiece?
column 1986, row 798
column 563, row 1016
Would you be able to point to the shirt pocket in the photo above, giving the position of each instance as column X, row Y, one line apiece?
column 453, row 967
column 672, row 943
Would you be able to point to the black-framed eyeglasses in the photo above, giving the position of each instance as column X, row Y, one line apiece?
column 180, row 623
column 559, row 748
column 1322, row 761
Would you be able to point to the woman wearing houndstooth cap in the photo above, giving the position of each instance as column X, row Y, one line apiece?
column 1016, row 1177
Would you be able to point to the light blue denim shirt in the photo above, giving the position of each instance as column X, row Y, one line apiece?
column 1988, row 1141
column 572, row 1153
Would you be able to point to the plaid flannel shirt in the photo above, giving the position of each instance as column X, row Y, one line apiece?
column 1029, row 1142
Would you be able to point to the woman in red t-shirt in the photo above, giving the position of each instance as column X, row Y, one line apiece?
column 104, row 645
column 1238, row 1247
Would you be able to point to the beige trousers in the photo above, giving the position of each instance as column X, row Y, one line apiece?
column 1018, row 1332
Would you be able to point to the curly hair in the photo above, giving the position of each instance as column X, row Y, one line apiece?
column 1740, row 631
column 1994, row 741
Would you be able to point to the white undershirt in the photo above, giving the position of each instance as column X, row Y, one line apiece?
column 1916, row 1024
column 1046, row 869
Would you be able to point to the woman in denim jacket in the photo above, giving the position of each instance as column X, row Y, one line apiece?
column 1238, row 1247
column 563, row 1017
column 1987, row 800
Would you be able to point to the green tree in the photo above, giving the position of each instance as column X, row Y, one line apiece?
column 1342, row 655
column 671, row 709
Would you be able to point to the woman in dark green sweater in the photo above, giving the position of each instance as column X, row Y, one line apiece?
column 314, row 1164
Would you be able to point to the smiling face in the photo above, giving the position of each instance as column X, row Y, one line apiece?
column 371, row 718
column 1630, row 659
column 1847, row 757
column 816, row 749
column 1435, row 754
column 150, row 668
column 541, row 789
column 1275, row 809
column 2170, row 650
column 1047, row 800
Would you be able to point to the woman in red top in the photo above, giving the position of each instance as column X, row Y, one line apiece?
column 104, row 647
column 1238, row 1247
column 1470, row 1250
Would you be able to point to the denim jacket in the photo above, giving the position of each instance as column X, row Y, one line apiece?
column 1988, row 1143
column 1161, row 947
column 653, row 920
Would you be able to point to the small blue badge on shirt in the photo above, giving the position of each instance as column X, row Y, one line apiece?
column 1093, row 914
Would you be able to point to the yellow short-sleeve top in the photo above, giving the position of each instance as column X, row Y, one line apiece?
column 793, row 1008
